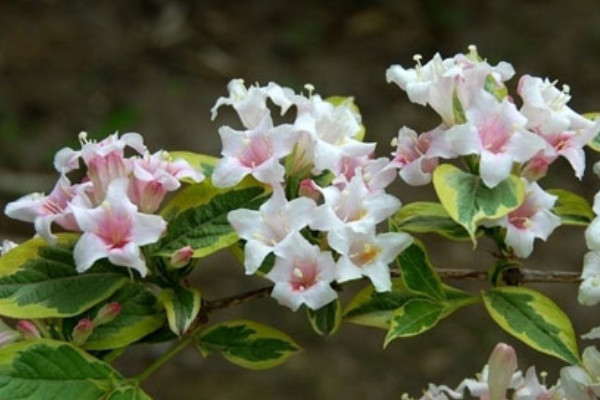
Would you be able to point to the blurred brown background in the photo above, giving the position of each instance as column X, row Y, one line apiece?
column 157, row 66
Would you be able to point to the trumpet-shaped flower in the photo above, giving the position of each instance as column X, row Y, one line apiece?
column 353, row 206
column 256, row 151
column 43, row 210
column 495, row 132
column 67, row 159
column 331, row 131
column 251, row 103
column 533, row 219
column 365, row 254
column 546, row 107
column 440, row 82
column 115, row 229
column 266, row 228
column 589, row 289
column 302, row 274
column 155, row 175
column 413, row 157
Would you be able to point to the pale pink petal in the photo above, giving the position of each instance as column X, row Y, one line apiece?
column 464, row 139
column 89, row 249
column 494, row 168
column 319, row 295
column 254, row 254
column 147, row 228
column 523, row 145
column 520, row 240
column 270, row 172
column 228, row 172
column 128, row 256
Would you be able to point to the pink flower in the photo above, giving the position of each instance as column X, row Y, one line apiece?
column 154, row 176
column 533, row 219
column 255, row 151
column 43, row 210
column 413, row 157
column 365, row 254
column 495, row 131
column 266, row 228
column 353, row 206
column 302, row 274
column 116, row 230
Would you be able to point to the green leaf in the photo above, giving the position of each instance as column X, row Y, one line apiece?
column 375, row 309
column 595, row 143
column 140, row 315
column 197, row 217
column 202, row 162
column 458, row 110
column 468, row 201
column 417, row 272
column 326, row 320
column 40, row 281
column 415, row 317
column 46, row 369
column 572, row 208
column 428, row 217
column 182, row 306
column 534, row 319
column 247, row 344
column 128, row 393
column 495, row 88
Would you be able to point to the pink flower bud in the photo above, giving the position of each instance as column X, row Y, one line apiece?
column 28, row 330
column 107, row 313
column 502, row 364
column 309, row 189
column 82, row 331
column 182, row 257
column 8, row 335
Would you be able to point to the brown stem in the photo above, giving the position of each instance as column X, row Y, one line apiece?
column 521, row 276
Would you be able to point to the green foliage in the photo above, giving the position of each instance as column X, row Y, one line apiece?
column 468, row 201
column 534, row 319
column 427, row 217
column 247, row 344
column 572, row 208
column 38, row 280
column 182, row 306
column 197, row 217
column 413, row 318
column 46, row 369
column 202, row 162
column 326, row 320
column 418, row 274
column 140, row 315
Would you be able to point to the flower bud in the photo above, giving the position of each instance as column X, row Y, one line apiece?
column 82, row 331
column 502, row 364
column 308, row 188
column 8, row 335
column 28, row 330
column 107, row 313
column 182, row 257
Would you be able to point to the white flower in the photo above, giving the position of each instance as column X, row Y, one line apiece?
column 331, row 132
column 589, row 289
column 302, row 274
column 533, row 219
column 116, row 230
column 494, row 130
column 353, row 206
column 251, row 103
column 264, row 229
column 364, row 254
column 43, row 210
column 412, row 156
column 255, row 151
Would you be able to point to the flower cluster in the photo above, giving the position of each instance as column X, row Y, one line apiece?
column 500, row 375
column 112, row 205
column 328, row 193
column 481, row 121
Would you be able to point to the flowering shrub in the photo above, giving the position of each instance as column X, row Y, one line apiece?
column 302, row 203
